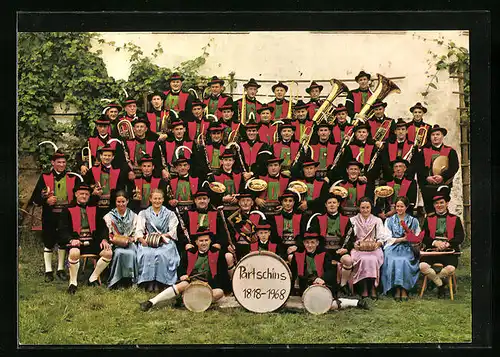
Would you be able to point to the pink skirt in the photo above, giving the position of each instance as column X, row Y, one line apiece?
column 367, row 265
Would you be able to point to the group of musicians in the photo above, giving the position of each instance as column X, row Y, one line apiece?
column 188, row 188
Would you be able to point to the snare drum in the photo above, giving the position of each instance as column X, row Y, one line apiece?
column 262, row 282
column 198, row 296
column 317, row 299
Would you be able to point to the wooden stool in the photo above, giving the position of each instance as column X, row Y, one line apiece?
column 94, row 258
column 452, row 281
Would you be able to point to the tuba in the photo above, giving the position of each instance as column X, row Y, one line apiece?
column 325, row 111
column 384, row 87
column 125, row 129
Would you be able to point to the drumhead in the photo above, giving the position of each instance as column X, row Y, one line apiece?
column 317, row 299
column 262, row 282
column 197, row 297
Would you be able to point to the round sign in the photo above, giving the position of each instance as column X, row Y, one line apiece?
column 262, row 282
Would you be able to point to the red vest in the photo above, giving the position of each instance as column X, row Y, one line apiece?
column 152, row 120
column 412, row 131
column 323, row 224
column 210, row 150
column 316, row 189
column 170, row 149
column 220, row 102
column 155, row 181
column 357, row 98
column 95, row 142
column 393, row 149
column 296, row 123
column 330, row 152
column 236, row 179
column 76, row 219
column 284, row 108
column 360, row 190
column 183, row 97
column 192, row 128
column 404, row 187
column 283, row 181
column 312, row 108
column 296, row 218
column 294, row 148
column 250, row 156
column 450, row 226
column 258, row 105
column 319, row 260
column 70, row 184
column 367, row 155
column 270, row 247
column 266, row 133
column 113, row 176
column 131, row 144
column 374, row 125
column 193, row 184
column 337, row 132
column 193, row 221
column 212, row 262
column 428, row 151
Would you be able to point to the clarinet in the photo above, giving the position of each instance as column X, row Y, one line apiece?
column 348, row 236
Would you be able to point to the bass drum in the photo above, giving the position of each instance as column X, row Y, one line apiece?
column 262, row 282
column 198, row 296
column 317, row 299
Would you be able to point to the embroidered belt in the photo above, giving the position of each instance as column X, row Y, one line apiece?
column 332, row 242
column 288, row 238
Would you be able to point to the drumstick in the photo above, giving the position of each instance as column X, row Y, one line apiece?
column 230, row 240
column 189, row 278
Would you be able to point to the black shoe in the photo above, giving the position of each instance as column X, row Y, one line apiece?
column 49, row 276
column 178, row 302
column 344, row 290
column 363, row 304
column 441, row 292
column 404, row 298
column 93, row 283
column 61, row 274
column 72, row 289
column 146, row 305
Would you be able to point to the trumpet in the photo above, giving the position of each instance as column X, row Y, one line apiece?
column 379, row 136
column 87, row 155
column 420, row 138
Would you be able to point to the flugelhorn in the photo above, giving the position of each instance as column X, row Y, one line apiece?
column 384, row 87
column 87, row 157
column 125, row 129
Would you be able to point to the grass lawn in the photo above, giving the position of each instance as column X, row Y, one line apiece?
column 48, row 315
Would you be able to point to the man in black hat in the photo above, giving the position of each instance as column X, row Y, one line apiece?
column 418, row 111
column 131, row 112
column 314, row 90
column 175, row 97
column 197, row 122
column 443, row 231
column 289, row 224
column 266, row 241
column 287, row 148
column 430, row 176
column 398, row 146
column 380, row 120
column 356, row 187
column 276, row 185
column 230, row 178
column 339, row 237
column 143, row 185
column 341, row 125
column 141, row 145
column 357, row 98
column 279, row 103
column 242, row 224
column 95, row 143
column 209, row 156
column 313, row 265
column 228, row 120
column 323, row 147
column 111, row 112
column 303, row 121
column 403, row 183
column 205, row 263
column 86, row 236
column 179, row 139
column 183, row 186
column 363, row 149
column 250, row 150
column 266, row 129
column 217, row 99
column 252, row 103
column 158, row 117
column 54, row 192
column 317, row 188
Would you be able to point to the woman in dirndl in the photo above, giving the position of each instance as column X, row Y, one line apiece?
column 122, row 221
column 401, row 265
column 369, row 230
column 157, row 265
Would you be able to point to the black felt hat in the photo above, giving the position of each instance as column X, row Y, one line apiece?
column 265, row 107
column 82, row 186
column 418, row 105
column 215, row 80
column 436, row 127
column 156, row 93
column 175, row 76
column 362, row 74
column 340, row 108
column 314, row 85
column 197, row 103
column 379, row 103
column 399, row 159
column 401, row 122
column 202, row 231
column 128, row 101
column 279, row 84
column 300, row 105
column 145, row 158
column 59, row 155
column 354, row 162
column 251, row 83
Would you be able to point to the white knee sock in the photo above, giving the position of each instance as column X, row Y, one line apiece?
column 47, row 257
column 345, row 274
column 99, row 267
column 61, row 255
column 73, row 272
column 348, row 303
column 166, row 294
